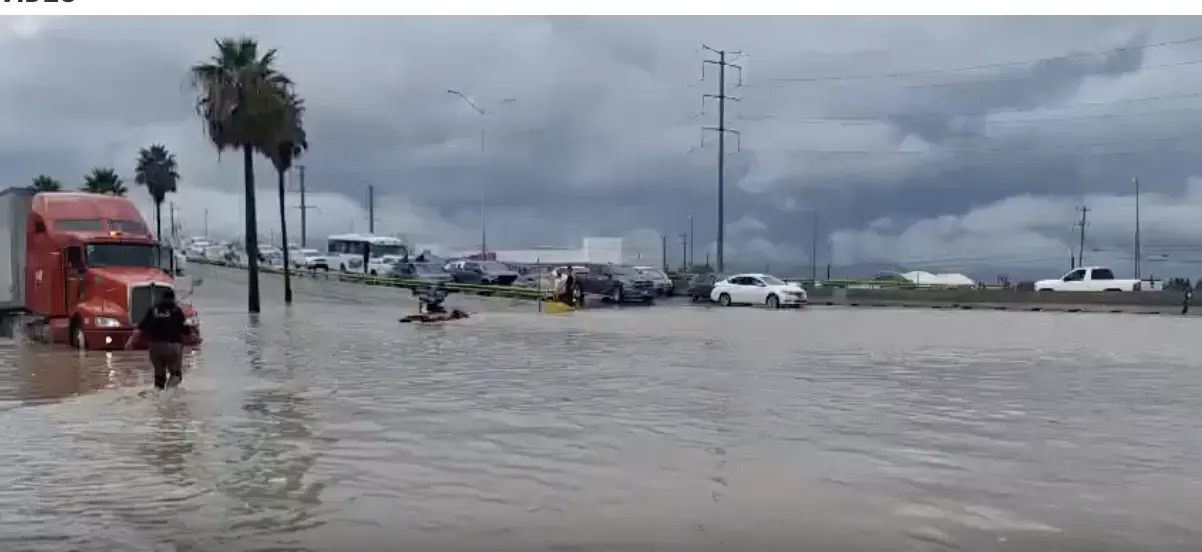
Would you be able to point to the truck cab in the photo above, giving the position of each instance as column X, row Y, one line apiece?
column 86, row 267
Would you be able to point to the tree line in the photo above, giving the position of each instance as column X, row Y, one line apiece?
column 245, row 103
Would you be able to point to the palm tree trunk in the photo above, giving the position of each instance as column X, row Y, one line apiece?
column 252, row 231
column 284, row 237
column 158, row 221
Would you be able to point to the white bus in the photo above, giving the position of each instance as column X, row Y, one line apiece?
column 347, row 251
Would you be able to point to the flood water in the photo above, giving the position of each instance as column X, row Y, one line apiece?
column 331, row 426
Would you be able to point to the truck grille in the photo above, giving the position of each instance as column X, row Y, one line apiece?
column 643, row 284
column 142, row 297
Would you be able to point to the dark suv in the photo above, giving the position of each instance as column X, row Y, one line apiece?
column 617, row 283
column 481, row 272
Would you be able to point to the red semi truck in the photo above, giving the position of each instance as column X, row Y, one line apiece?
column 80, row 268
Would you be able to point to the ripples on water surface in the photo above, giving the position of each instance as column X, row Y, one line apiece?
column 332, row 426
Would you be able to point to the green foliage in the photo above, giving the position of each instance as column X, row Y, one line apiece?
column 103, row 180
column 158, row 171
column 43, row 183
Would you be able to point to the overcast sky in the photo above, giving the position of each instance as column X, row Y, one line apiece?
column 934, row 143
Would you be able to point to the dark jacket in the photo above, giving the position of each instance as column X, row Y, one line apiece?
column 164, row 323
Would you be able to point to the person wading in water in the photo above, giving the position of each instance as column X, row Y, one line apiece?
column 163, row 327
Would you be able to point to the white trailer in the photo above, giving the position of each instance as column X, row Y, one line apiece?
column 15, row 205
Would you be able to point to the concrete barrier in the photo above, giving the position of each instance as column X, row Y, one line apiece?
column 1159, row 299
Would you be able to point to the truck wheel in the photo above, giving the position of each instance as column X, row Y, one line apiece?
column 724, row 300
column 773, row 302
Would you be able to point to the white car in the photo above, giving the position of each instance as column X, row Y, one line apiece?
column 181, row 262
column 758, row 289
column 311, row 259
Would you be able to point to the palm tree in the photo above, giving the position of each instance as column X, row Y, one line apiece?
column 287, row 142
column 43, row 183
column 103, row 180
column 234, row 89
column 158, row 171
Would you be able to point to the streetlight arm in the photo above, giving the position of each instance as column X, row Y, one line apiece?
column 464, row 97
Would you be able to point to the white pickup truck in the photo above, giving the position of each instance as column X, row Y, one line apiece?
column 1088, row 278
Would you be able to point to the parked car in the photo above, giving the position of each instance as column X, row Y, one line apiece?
column 311, row 259
column 617, row 283
column 758, row 289
column 700, row 287
column 544, row 281
column 663, row 284
column 481, row 272
column 426, row 272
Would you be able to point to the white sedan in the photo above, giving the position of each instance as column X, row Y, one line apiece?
column 758, row 289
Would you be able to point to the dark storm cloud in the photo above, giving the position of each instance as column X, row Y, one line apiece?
column 603, row 137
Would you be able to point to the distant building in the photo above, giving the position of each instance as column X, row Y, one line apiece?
column 592, row 250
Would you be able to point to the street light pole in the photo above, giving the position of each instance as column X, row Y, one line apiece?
column 482, row 113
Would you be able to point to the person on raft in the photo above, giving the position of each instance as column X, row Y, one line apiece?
column 431, row 302
column 430, row 305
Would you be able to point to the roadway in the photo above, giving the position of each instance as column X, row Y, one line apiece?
column 328, row 425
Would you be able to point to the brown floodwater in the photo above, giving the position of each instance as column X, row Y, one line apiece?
column 328, row 426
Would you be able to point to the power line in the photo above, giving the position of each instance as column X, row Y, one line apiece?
column 1029, row 146
column 997, row 65
column 990, row 81
column 882, row 117
column 1004, row 122
column 721, row 129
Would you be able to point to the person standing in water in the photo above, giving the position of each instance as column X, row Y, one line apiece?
column 164, row 327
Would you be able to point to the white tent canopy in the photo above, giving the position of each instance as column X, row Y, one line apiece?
column 924, row 278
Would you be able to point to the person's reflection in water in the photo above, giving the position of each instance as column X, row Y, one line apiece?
column 171, row 444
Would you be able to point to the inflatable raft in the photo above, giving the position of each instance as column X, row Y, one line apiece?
column 428, row 318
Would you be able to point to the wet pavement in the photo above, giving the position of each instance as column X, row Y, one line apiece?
column 330, row 426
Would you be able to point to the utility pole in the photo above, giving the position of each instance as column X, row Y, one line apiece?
column 1137, row 236
column 692, row 256
column 663, row 251
column 304, row 209
column 483, row 229
column 206, row 223
column 174, row 234
column 814, row 250
column 721, row 130
column 1081, row 224
column 684, row 251
column 371, row 209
